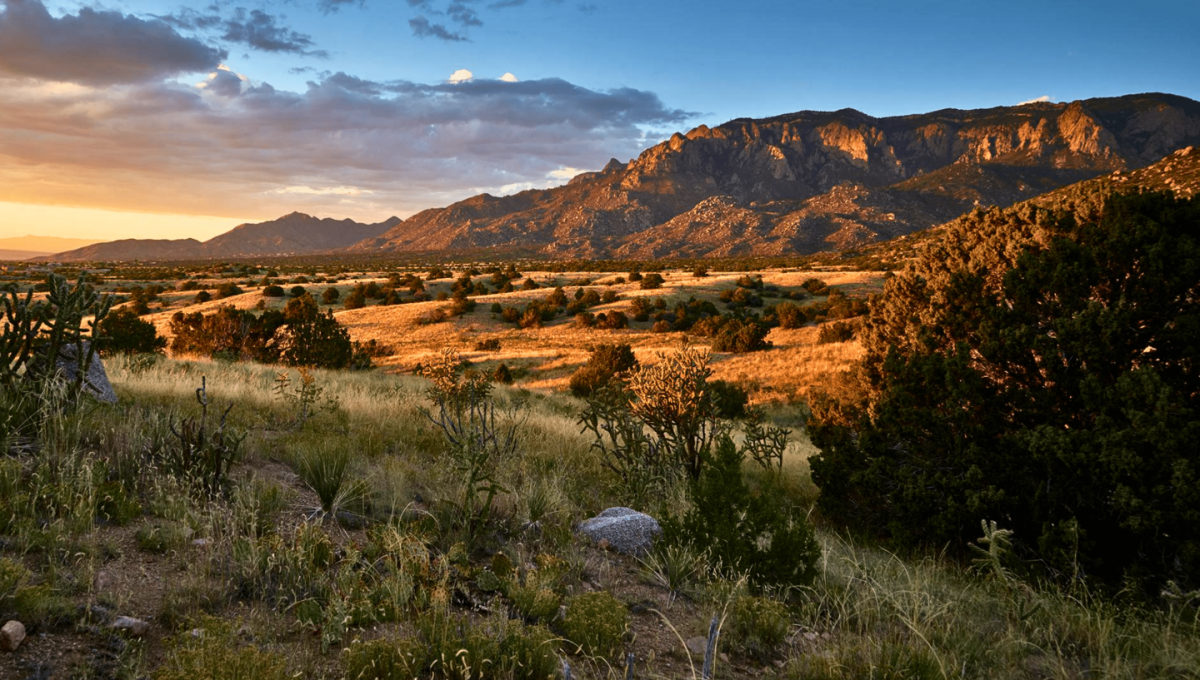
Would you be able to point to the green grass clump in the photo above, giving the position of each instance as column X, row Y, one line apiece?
column 326, row 470
column 758, row 626
column 162, row 537
column 879, row 659
column 451, row 647
column 533, row 603
column 41, row 606
column 596, row 623
column 215, row 654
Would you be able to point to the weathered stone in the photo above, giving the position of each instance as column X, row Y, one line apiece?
column 627, row 531
column 697, row 645
column 135, row 627
column 11, row 636
column 95, row 382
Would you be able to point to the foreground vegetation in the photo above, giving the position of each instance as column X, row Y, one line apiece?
column 342, row 543
column 266, row 512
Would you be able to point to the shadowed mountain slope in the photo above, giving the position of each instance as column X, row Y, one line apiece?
column 292, row 234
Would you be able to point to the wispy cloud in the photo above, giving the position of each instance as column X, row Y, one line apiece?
column 1037, row 100
column 422, row 28
column 255, row 29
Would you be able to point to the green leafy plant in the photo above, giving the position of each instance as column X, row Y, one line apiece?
column 761, row 534
column 596, row 624
column 757, row 626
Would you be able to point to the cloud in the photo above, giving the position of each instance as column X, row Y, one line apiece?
column 223, row 82
column 509, row 78
column 421, row 28
column 1038, row 100
column 464, row 15
column 323, row 191
column 345, row 145
column 588, row 8
column 333, row 6
column 462, row 75
column 95, row 47
column 261, row 31
column 504, row 4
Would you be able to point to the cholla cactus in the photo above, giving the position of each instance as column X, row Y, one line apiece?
column 991, row 558
column 36, row 333
column 674, row 400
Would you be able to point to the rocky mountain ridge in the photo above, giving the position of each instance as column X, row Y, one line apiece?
column 811, row 181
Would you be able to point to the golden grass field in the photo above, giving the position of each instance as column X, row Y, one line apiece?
column 544, row 358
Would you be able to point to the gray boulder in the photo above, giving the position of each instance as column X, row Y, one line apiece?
column 95, row 382
column 627, row 531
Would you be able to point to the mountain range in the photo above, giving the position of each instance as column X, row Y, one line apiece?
column 292, row 234
column 793, row 184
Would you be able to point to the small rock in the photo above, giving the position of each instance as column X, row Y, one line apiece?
column 697, row 645
column 724, row 657
column 604, row 544
column 810, row 636
column 135, row 627
column 200, row 542
column 197, row 633
column 11, row 636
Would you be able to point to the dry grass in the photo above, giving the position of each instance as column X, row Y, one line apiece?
column 546, row 357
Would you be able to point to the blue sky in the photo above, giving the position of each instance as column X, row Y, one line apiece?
column 243, row 110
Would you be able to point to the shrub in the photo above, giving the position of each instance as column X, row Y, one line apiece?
column 609, row 296
column 759, row 534
column 838, row 331
column 1035, row 367
column 607, row 362
column 530, row 284
column 730, row 399
column 662, row 326
column 612, row 320
column 313, row 337
column 297, row 291
column 355, row 300
column 273, row 291
column 202, row 296
column 790, row 315
column 228, row 289
column 489, row 345
column 650, row 281
column 739, row 336
column 596, row 623
column 330, row 296
column 635, row 276
column 815, row 287
column 122, row 332
column 502, row 375
column 758, row 626
column 700, row 272
column 585, row 320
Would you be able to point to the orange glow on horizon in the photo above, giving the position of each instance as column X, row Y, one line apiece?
column 21, row 219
